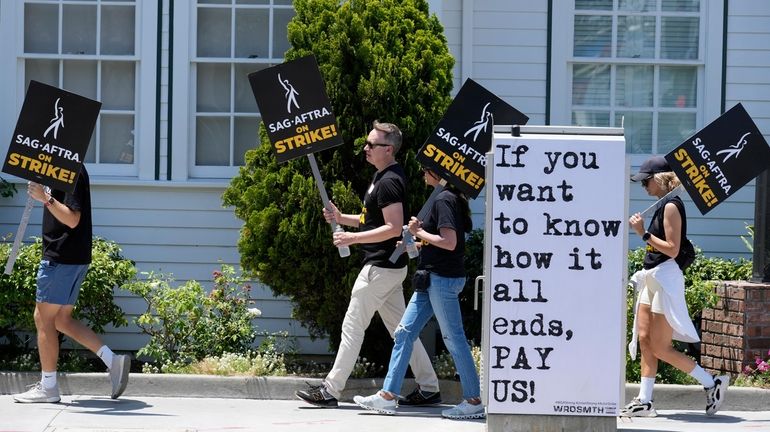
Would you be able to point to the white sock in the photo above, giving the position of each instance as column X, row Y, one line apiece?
column 48, row 379
column 645, row 389
column 106, row 354
column 703, row 377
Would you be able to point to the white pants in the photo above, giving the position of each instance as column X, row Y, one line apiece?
column 376, row 289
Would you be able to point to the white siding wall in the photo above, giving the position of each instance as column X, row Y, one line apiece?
column 502, row 45
column 180, row 229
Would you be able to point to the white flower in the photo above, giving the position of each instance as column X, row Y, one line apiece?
column 254, row 312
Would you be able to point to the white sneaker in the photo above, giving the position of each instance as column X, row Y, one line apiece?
column 637, row 408
column 38, row 394
column 715, row 396
column 465, row 411
column 377, row 403
column 121, row 365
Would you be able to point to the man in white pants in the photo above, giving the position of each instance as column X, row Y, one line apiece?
column 378, row 286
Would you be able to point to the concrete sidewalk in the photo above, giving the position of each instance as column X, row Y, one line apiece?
column 209, row 403
column 148, row 414
column 667, row 396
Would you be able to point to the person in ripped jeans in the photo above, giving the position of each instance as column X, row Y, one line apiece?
column 439, row 279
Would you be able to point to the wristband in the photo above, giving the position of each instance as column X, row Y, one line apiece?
column 49, row 202
column 646, row 236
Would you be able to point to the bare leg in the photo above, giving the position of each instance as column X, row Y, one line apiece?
column 649, row 360
column 661, row 345
column 75, row 329
column 47, row 335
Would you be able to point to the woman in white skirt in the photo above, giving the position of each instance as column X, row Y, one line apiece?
column 661, row 310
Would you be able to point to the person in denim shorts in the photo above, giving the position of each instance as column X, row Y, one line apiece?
column 67, row 232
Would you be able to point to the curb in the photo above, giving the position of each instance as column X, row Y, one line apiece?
column 667, row 396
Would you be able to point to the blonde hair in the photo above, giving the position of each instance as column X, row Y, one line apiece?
column 667, row 180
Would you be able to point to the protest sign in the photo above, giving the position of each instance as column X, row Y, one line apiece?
column 457, row 147
column 720, row 158
column 51, row 136
column 295, row 109
column 555, row 261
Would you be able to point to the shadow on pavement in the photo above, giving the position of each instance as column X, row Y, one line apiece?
column 702, row 418
column 112, row 407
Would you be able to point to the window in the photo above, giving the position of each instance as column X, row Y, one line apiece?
column 233, row 38
column 89, row 48
column 646, row 65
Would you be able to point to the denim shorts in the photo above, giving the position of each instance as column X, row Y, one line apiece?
column 59, row 283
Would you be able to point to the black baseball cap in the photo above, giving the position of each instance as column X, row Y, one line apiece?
column 653, row 165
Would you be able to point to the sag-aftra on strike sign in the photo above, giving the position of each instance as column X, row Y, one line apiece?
column 51, row 136
column 720, row 158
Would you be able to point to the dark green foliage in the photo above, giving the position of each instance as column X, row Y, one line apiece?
column 7, row 189
column 95, row 302
column 474, row 266
column 385, row 60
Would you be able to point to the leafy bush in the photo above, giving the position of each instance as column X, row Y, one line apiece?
column 364, row 368
column 7, row 190
column 444, row 364
column 186, row 324
column 250, row 363
column 757, row 376
column 385, row 60
column 95, row 304
column 699, row 294
column 474, row 266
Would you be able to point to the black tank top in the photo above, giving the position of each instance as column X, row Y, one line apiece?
column 654, row 257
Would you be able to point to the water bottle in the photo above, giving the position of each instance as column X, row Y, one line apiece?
column 411, row 247
column 344, row 250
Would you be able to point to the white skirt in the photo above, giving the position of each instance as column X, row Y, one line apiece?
column 670, row 278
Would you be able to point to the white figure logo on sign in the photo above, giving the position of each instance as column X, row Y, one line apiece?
column 481, row 124
column 57, row 121
column 735, row 149
column 291, row 94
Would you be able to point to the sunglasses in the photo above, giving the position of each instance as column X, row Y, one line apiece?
column 646, row 181
column 373, row 145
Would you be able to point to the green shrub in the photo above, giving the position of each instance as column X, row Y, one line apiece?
column 95, row 304
column 7, row 190
column 186, row 324
column 249, row 363
column 756, row 376
column 444, row 364
column 385, row 60
column 699, row 294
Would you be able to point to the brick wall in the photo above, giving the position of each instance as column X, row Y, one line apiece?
column 737, row 329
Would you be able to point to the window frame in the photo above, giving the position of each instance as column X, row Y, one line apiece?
column 144, row 61
column 709, row 63
column 184, row 74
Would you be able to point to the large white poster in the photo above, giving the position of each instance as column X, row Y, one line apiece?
column 556, row 288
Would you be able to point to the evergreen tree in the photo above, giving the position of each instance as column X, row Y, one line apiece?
column 380, row 59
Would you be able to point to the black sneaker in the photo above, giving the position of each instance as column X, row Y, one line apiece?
column 318, row 396
column 636, row 408
column 420, row 398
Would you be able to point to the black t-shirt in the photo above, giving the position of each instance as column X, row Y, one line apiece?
column 62, row 244
column 446, row 212
column 388, row 187
column 654, row 257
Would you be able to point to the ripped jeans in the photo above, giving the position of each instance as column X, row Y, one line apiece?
column 441, row 300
